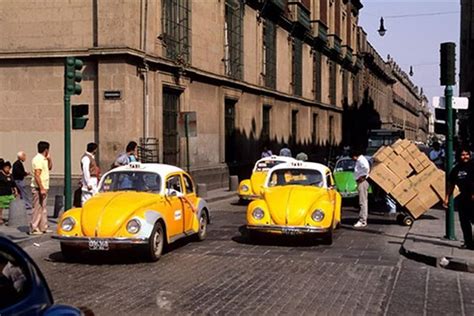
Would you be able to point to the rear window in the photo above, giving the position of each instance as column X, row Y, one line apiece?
column 308, row 177
column 345, row 165
column 131, row 181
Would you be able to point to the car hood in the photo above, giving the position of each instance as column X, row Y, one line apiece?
column 289, row 205
column 256, row 180
column 345, row 181
column 105, row 213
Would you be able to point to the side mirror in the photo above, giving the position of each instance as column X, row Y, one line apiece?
column 174, row 193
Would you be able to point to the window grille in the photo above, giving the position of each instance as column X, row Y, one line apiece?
column 266, row 122
column 332, row 83
column 176, row 26
column 269, row 54
column 294, row 124
column 345, row 84
column 297, row 66
column 233, row 38
column 317, row 75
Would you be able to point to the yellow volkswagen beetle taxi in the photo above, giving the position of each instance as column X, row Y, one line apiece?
column 140, row 205
column 249, row 189
column 297, row 198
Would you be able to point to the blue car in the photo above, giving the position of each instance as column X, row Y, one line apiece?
column 23, row 288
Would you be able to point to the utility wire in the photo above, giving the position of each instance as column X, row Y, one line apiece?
column 419, row 14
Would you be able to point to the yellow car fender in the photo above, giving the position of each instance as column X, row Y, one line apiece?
column 245, row 184
column 147, row 218
column 327, row 207
column 260, row 203
column 75, row 214
column 201, row 207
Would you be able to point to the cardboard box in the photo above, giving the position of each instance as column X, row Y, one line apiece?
column 384, row 178
column 404, row 192
column 416, row 207
column 383, row 154
column 400, row 145
column 417, row 165
column 400, row 167
column 413, row 150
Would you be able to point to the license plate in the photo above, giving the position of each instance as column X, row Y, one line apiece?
column 289, row 231
column 98, row 245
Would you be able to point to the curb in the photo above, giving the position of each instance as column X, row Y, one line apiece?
column 449, row 263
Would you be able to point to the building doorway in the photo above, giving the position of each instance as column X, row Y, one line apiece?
column 230, row 133
column 170, row 126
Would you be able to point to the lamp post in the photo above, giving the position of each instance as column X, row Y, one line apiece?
column 382, row 28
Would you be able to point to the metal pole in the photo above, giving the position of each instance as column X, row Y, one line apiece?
column 186, row 132
column 67, row 152
column 448, row 94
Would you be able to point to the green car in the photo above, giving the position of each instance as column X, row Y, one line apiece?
column 344, row 177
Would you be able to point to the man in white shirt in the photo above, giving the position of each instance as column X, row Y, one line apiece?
column 90, row 172
column 361, row 173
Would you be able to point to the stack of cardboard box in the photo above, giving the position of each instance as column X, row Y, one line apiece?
column 408, row 175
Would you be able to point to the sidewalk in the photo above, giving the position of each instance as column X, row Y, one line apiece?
column 424, row 242
column 21, row 237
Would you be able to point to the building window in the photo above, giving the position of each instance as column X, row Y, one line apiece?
column 176, row 26
column 314, row 133
column 294, row 124
column 266, row 122
column 297, row 66
column 332, row 82
column 269, row 54
column 317, row 75
column 233, row 38
column 345, row 84
column 331, row 129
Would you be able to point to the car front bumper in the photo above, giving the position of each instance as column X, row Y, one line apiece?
column 114, row 242
column 248, row 197
column 288, row 230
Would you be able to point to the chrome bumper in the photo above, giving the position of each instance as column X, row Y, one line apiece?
column 290, row 230
column 349, row 194
column 248, row 197
column 112, row 241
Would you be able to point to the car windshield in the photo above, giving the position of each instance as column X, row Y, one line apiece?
column 267, row 165
column 131, row 181
column 345, row 165
column 282, row 177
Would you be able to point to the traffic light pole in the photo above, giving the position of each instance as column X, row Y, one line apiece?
column 67, row 152
column 448, row 93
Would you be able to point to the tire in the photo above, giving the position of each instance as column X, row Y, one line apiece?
column 156, row 242
column 203, row 221
column 408, row 221
column 327, row 238
column 69, row 253
column 400, row 218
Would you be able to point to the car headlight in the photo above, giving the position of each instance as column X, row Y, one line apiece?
column 318, row 215
column 133, row 226
column 258, row 213
column 68, row 224
column 244, row 188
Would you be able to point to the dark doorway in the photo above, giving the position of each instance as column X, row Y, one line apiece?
column 230, row 141
column 170, row 126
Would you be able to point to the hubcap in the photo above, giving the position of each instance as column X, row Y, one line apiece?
column 157, row 242
column 202, row 225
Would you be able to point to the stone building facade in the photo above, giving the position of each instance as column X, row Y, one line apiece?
column 466, row 73
column 254, row 72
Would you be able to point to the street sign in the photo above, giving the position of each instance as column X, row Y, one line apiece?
column 189, row 119
column 459, row 103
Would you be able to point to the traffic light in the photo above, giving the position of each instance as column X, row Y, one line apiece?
column 440, row 126
column 448, row 64
column 79, row 115
column 73, row 76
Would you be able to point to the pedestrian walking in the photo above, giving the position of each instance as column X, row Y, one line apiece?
column 89, row 168
column 130, row 155
column 437, row 155
column 40, row 165
column 7, row 188
column 361, row 173
column 285, row 151
column 19, row 173
column 462, row 175
column 266, row 152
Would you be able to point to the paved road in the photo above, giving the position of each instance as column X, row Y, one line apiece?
column 362, row 273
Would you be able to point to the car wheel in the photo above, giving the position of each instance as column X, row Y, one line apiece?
column 156, row 242
column 407, row 221
column 202, row 232
column 69, row 253
column 327, row 238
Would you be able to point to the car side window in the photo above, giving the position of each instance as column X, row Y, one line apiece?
column 188, row 183
column 174, row 183
column 13, row 281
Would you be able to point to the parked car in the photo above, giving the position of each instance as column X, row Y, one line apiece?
column 23, row 288
column 297, row 198
column 344, row 177
column 144, row 206
column 249, row 189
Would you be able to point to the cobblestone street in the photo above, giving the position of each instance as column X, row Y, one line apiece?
column 361, row 273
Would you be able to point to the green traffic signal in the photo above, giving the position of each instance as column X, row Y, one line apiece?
column 79, row 115
column 73, row 76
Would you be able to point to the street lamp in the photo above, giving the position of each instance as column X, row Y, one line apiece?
column 381, row 29
column 411, row 71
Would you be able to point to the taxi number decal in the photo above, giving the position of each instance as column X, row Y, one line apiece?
column 177, row 215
